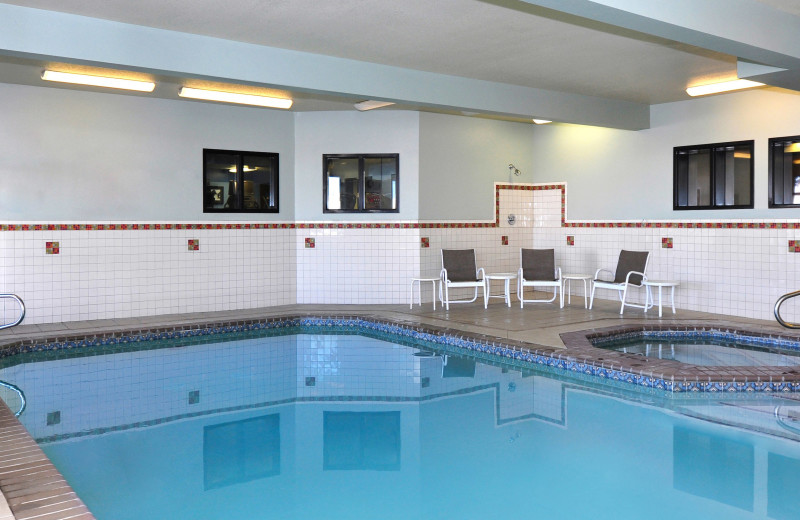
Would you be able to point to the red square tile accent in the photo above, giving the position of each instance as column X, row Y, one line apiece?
column 666, row 243
column 194, row 244
column 51, row 248
column 425, row 242
column 794, row 246
column 310, row 243
column 504, row 240
column 570, row 240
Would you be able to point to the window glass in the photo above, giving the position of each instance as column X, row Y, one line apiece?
column 354, row 183
column 240, row 182
column 715, row 176
column 784, row 172
column 380, row 183
column 342, row 182
column 220, row 181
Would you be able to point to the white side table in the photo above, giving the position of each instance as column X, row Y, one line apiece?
column 487, row 293
column 660, row 284
column 419, row 281
column 566, row 281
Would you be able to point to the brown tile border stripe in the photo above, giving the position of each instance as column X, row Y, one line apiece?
column 668, row 224
column 32, row 485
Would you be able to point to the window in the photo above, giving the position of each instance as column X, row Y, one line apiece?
column 713, row 176
column 784, row 172
column 240, row 182
column 360, row 183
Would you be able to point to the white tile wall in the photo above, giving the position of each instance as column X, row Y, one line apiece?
column 116, row 274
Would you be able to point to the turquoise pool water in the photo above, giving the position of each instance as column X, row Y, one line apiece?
column 352, row 427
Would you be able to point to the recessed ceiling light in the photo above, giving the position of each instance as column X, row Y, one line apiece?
column 98, row 81
column 371, row 104
column 725, row 86
column 541, row 121
column 233, row 97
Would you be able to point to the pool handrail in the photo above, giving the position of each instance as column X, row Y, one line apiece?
column 778, row 304
column 18, row 390
column 782, row 422
column 21, row 314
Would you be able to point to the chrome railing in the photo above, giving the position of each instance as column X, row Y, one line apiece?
column 19, row 392
column 21, row 313
column 786, row 421
column 778, row 310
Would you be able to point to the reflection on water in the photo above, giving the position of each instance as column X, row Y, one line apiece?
column 348, row 427
column 241, row 451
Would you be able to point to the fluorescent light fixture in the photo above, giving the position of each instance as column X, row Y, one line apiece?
column 98, row 81
column 792, row 148
column 371, row 104
column 231, row 97
column 541, row 121
column 725, row 86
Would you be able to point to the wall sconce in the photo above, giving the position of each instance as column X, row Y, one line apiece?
column 513, row 169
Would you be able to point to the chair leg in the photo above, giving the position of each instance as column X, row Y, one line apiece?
column 560, row 290
column 520, row 290
column 623, row 294
column 446, row 298
column 591, row 299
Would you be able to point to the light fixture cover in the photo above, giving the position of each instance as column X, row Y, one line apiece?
column 541, row 121
column 371, row 104
column 725, row 86
column 232, row 97
column 98, row 81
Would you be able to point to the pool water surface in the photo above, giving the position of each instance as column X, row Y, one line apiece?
column 350, row 427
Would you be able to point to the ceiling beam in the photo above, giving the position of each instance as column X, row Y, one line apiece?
column 725, row 26
column 53, row 36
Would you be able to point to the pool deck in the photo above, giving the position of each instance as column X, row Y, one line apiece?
column 33, row 488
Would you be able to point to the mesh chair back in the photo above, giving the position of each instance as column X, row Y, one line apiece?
column 538, row 264
column 631, row 261
column 460, row 265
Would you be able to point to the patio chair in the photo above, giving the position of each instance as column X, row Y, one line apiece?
column 459, row 270
column 631, row 268
column 538, row 269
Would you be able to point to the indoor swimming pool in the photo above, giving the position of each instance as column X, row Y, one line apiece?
column 316, row 424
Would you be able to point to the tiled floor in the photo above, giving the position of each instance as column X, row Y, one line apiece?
column 33, row 487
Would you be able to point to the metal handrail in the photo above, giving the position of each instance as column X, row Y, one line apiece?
column 782, row 422
column 21, row 314
column 17, row 389
column 778, row 310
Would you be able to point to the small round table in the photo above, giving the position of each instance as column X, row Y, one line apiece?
column 419, row 281
column 566, row 284
column 487, row 292
column 649, row 303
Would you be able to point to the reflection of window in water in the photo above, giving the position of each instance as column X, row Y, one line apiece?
column 241, row 451
column 713, row 467
column 783, row 483
column 361, row 441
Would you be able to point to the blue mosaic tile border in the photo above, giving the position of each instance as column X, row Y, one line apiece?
column 563, row 364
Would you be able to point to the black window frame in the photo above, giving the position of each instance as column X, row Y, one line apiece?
column 361, row 181
column 240, row 155
column 773, row 178
column 713, row 181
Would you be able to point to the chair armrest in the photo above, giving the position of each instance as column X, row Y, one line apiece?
column 480, row 274
column 628, row 277
column 519, row 274
column 443, row 275
column 597, row 274
column 558, row 273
